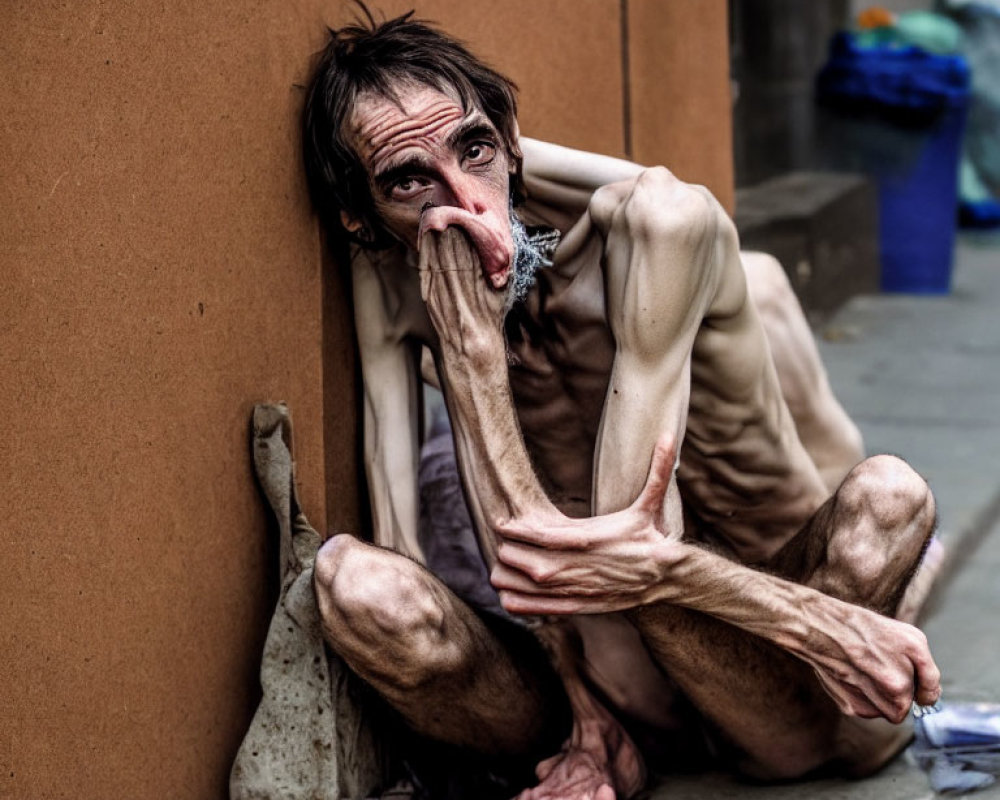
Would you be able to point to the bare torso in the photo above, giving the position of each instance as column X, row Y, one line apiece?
column 561, row 355
column 743, row 472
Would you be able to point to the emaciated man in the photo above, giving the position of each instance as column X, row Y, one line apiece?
column 638, row 482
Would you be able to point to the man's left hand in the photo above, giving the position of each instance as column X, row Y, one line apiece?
column 553, row 564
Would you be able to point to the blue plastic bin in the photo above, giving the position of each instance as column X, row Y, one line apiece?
column 924, row 93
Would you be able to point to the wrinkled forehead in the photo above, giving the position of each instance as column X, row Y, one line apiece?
column 418, row 115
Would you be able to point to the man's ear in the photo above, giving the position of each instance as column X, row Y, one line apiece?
column 351, row 223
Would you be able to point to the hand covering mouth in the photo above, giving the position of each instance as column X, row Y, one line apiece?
column 486, row 232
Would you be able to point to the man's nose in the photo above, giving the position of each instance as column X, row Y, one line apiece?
column 462, row 190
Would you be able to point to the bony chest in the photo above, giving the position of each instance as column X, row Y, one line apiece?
column 559, row 361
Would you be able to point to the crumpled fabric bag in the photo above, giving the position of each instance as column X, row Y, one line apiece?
column 310, row 737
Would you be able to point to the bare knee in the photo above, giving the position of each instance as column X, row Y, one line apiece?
column 884, row 517
column 383, row 613
column 889, row 491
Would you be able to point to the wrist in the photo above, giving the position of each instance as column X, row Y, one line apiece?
column 670, row 557
column 823, row 619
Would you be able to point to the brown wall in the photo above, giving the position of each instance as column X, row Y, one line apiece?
column 159, row 274
column 679, row 87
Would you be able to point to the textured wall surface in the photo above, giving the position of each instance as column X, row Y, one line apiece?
column 679, row 88
column 160, row 273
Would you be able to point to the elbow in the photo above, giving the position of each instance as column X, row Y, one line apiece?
column 662, row 206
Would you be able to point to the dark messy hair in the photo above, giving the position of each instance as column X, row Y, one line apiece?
column 371, row 58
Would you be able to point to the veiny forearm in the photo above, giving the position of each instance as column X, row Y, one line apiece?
column 472, row 363
column 792, row 616
column 477, row 392
column 870, row 665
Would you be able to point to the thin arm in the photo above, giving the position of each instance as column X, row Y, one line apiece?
column 391, row 415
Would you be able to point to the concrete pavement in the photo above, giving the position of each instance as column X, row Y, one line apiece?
column 921, row 377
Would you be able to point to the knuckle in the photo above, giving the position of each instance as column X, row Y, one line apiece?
column 857, row 653
column 657, row 178
column 503, row 556
column 899, row 687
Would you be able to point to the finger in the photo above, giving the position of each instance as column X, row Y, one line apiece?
column 521, row 603
column 541, row 566
column 505, row 577
column 473, row 291
column 661, row 470
column 927, row 697
column 543, row 580
column 463, row 255
column 544, row 768
column 478, row 291
column 866, row 706
column 434, row 273
column 464, row 279
column 850, row 701
column 605, row 793
column 550, row 531
column 928, row 678
column 448, row 298
column 453, row 261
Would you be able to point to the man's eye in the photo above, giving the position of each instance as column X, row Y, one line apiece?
column 405, row 188
column 479, row 153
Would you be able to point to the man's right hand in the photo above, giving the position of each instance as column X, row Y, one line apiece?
column 871, row 665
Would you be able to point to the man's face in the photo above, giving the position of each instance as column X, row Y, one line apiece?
column 430, row 164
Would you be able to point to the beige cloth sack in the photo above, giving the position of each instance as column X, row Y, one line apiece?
column 310, row 737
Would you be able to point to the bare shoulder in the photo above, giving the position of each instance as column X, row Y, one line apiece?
column 387, row 302
column 687, row 237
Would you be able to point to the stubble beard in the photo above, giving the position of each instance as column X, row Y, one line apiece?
column 528, row 259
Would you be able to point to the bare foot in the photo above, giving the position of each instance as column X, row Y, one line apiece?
column 598, row 762
column 589, row 772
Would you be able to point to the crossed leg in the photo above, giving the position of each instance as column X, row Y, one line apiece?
column 774, row 716
column 449, row 675
column 452, row 679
